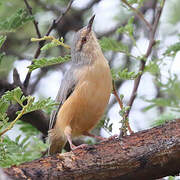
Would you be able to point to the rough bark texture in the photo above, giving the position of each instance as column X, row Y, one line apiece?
column 148, row 154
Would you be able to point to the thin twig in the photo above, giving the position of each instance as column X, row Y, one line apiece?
column 142, row 66
column 41, row 43
column 34, row 21
column 114, row 91
column 139, row 14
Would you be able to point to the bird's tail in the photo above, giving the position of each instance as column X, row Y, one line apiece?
column 56, row 142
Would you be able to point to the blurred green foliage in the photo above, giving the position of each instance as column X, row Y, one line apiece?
column 16, row 152
column 15, row 21
column 172, row 50
column 22, row 149
column 109, row 44
column 174, row 14
column 123, row 74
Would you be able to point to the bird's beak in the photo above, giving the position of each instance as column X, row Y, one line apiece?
column 89, row 26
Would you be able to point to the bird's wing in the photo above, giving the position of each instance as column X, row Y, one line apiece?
column 66, row 88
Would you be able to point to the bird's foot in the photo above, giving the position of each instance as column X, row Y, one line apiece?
column 79, row 147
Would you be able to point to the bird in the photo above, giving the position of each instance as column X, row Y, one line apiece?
column 83, row 94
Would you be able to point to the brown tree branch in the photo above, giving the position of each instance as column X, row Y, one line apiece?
column 41, row 43
column 148, row 154
column 149, row 50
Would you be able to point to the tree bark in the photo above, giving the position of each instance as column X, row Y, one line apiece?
column 148, row 154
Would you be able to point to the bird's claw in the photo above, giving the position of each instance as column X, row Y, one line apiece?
column 79, row 147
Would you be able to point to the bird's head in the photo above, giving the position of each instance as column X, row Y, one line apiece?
column 85, row 44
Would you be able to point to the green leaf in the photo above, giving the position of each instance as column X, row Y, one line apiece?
column 171, row 178
column 15, row 95
column 153, row 68
column 132, row 1
column 147, row 108
column 163, row 119
column 172, row 50
column 41, row 104
column 6, row 65
column 109, row 44
column 49, row 45
column 172, row 88
column 17, row 152
column 3, row 116
column 160, row 102
column 44, row 62
column 105, row 124
column 27, row 129
column 17, row 139
column 170, row 92
column 124, row 74
column 22, row 149
column 15, row 21
column 1, row 56
column 2, row 40
column 128, row 28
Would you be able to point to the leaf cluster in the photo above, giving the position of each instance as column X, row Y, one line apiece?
column 109, row 44
column 172, row 50
column 105, row 124
column 21, row 149
column 171, row 91
column 15, row 21
column 27, row 104
column 153, row 67
column 128, row 29
column 14, row 152
column 44, row 62
column 124, row 74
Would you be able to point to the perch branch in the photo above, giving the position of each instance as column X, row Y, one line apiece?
column 149, row 154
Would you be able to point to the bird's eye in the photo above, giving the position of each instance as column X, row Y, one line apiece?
column 84, row 39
